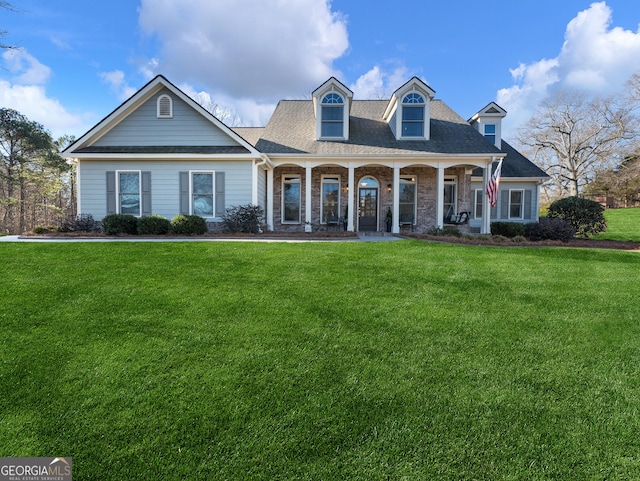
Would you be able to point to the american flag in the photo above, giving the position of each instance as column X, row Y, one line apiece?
column 493, row 184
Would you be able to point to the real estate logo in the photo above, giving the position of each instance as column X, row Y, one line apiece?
column 35, row 469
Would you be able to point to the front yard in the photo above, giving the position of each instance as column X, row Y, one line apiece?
column 402, row 360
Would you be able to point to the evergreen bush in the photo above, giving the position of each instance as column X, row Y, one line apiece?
column 115, row 224
column 584, row 215
column 243, row 218
column 153, row 225
column 550, row 229
column 188, row 225
column 507, row 229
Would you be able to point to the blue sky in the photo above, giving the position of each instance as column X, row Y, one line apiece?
column 80, row 59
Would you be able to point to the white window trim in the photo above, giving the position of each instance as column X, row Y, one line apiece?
column 453, row 180
column 285, row 177
column 477, row 204
column 425, row 116
column 213, row 180
column 521, row 204
column 329, row 176
column 344, row 115
column 411, row 179
column 158, row 112
column 118, row 203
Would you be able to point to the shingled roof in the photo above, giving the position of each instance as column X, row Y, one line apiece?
column 516, row 165
column 291, row 130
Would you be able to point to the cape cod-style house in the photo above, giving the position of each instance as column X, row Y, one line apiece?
column 322, row 162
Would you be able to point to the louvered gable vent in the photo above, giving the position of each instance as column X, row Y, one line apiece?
column 165, row 107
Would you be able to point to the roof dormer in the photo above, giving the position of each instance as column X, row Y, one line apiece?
column 331, row 106
column 408, row 113
column 489, row 123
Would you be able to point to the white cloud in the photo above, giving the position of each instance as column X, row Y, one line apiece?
column 28, row 69
column 116, row 81
column 378, row 83
column 246, row 49
column 26, row 92
column 595, row 57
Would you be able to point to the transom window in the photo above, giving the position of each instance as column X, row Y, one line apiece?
column 407, row 204
column 202, row 193
column 291, row 199
column 332, row 111
column 413, row 115
column 490, row 133
column 330, row 200
column 129, row 192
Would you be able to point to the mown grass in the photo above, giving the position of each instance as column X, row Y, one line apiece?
column 357, row 361
column 622, row 225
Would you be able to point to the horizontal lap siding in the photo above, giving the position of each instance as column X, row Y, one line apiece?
column 505, row 186
column 186, row 128
column 164, row 183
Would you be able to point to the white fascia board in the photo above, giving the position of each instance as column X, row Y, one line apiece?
column 176, row 157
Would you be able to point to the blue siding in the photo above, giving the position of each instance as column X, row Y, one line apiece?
column 186, row 127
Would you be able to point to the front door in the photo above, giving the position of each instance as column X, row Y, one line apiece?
column 368, row 209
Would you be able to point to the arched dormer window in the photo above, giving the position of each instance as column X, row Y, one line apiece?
column 164, row 107
column 332, row 111
column 413, row 115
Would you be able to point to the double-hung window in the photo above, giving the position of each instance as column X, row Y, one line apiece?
column 407, row 203
column 490, row 133
column 202, row 193
column 516, row 204
column 129, row 192
column 332, row 111
column 330, row 199
column 291, row 199
column 413, row 106
column 477, row 204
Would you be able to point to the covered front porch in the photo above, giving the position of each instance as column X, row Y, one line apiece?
column 362, row 196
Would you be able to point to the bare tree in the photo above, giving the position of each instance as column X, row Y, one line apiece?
column 572, row 137
column 226, row 116
column 6, row 6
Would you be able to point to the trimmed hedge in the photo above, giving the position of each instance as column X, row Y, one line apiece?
column 115, row 224
column 585, row 216
column 153, row 225
column 550, row 229
column 507, row 229
column 188, row 225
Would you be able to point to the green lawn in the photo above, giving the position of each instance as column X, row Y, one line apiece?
column 622, row 224
column 321, row 361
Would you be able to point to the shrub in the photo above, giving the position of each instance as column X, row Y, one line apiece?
column 79, row 223
column 519, row 238
column 507, row 229
column 549, row 229
column 44, row 230
column 153, row 225
column 115, row 224
column 243, row 218
column 584, row 215
column 451, row 230
column 499, row 238
column 188, row 225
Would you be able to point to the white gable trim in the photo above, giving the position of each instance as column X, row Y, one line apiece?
column 135, row 101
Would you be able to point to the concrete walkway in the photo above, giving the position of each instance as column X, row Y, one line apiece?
column 362, row 238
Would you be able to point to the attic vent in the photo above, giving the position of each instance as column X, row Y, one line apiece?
column 493, row 110
column 165, row 107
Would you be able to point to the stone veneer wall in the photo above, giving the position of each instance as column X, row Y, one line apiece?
column 426, row 192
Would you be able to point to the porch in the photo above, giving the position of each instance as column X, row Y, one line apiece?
column 363, row 197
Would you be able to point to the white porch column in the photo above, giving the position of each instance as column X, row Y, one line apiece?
column 440, row 198
column 307, row 196
column 351, row 188
column 269, row 213
column 395, row 227
column 486, row 208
